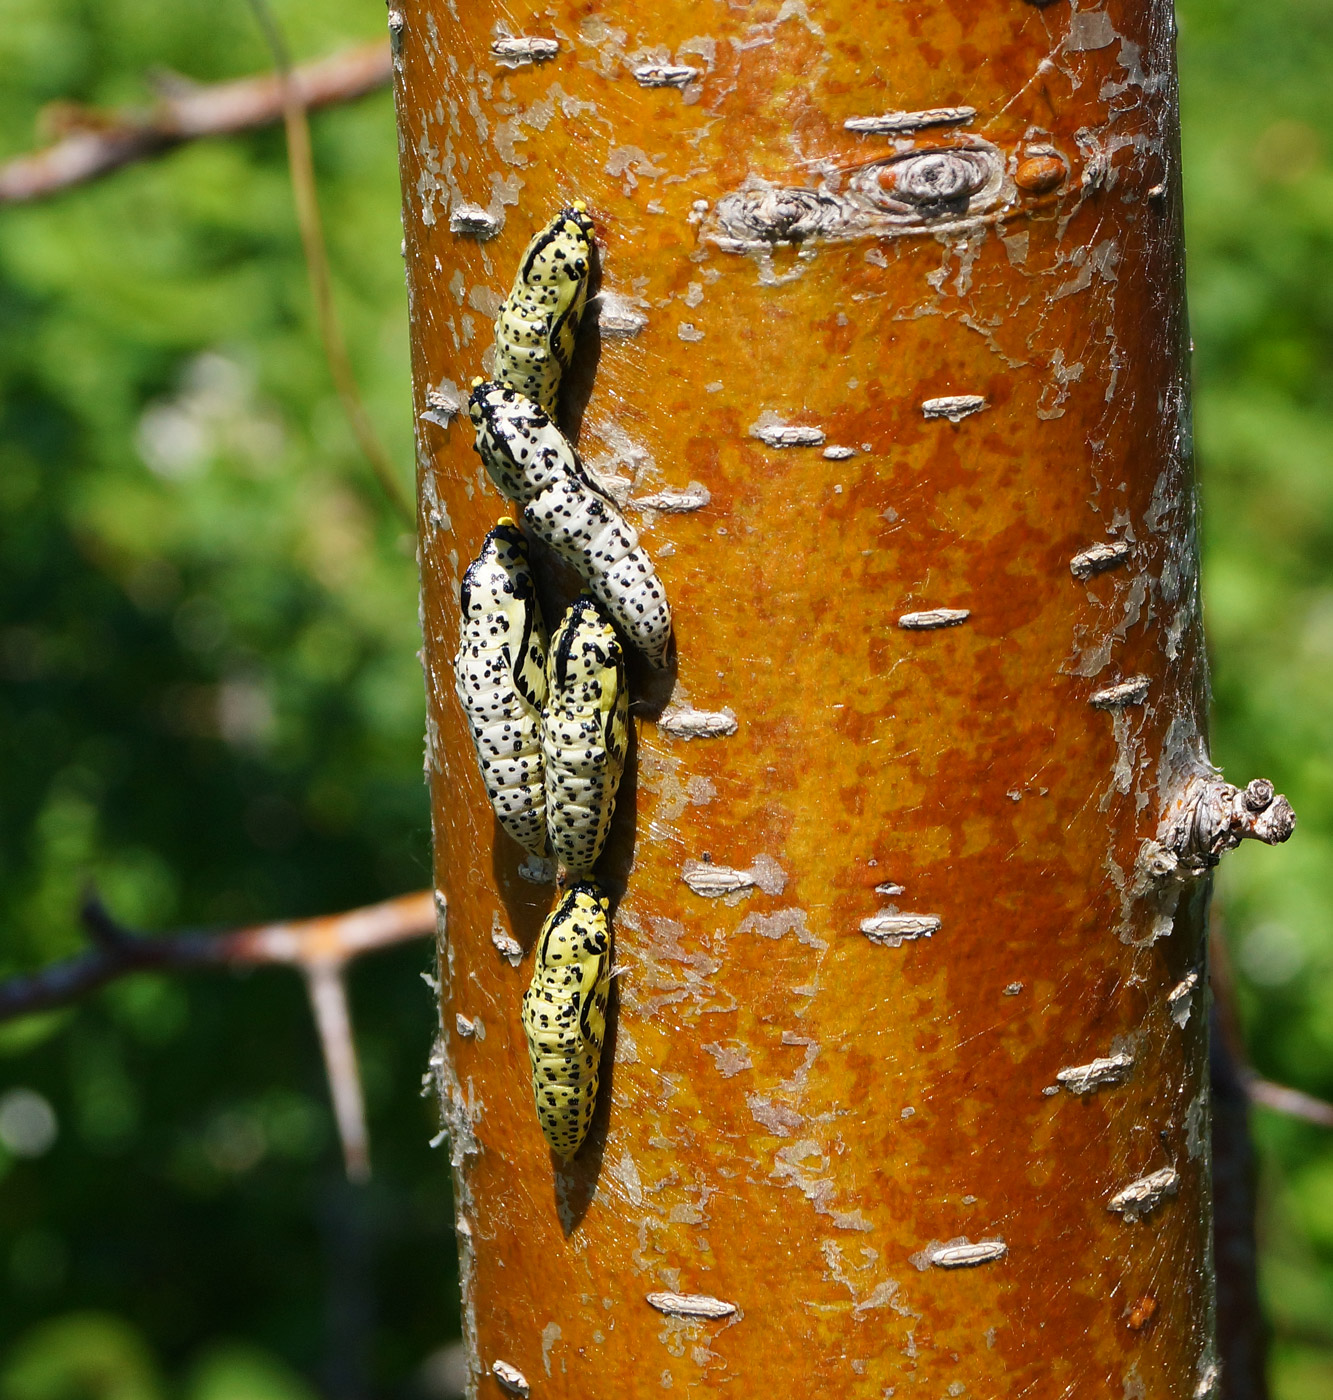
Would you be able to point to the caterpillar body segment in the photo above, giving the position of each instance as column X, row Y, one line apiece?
column 500, row 680
column 518, row 442
column 531, row 461
column 564, row 1014
column 585, row 735
column 539, row 319
column 584, row 527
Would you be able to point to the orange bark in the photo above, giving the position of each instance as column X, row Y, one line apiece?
column 797, row 1116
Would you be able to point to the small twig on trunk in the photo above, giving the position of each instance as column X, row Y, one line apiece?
column 302, row 166
column 321, row 948
column 98, row 142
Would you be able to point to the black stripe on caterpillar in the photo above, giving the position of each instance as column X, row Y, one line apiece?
column 500, row 680
column 531, row 461
column 564, row 1014
column 539, row 319
column 585, row 734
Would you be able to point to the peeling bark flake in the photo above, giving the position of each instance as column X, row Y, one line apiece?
column 510, row 1377
column 617, row 316
column 1180, row 997
column 715, row 881
column 910, row 121
column 472, row 221
column 1099, row 558
column 690, row 1305
column 508, row 947
column 661, row 75
column 933, row 618
column 893, row 930
column 1099, row 1074
column 685, row 722
column 676, row 500
column 959, row 1254
column 1134, row 691
column 772, row 432
column 1089, row 30
column 1145, row 1194
column 519, row 50
column 954, row 407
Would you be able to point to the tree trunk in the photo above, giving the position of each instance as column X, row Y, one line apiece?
column 906, row 1075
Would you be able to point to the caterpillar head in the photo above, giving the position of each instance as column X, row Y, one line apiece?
column 500, row 571
column 503, row 414
column 576, row 928
column 586, row 653
column 563, row 249
column 590, row 895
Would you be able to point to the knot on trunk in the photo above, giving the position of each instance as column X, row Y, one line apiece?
column 1213, row 817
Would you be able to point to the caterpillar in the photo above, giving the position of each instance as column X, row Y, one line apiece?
column 564, row 1014
column 538, row 320
column 531, row 461
column 585, row 734
column 500, row 679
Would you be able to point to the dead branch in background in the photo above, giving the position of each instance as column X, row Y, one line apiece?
column 302, row 166
column 320, row 948
column 95, row 142
column 1279, row 1098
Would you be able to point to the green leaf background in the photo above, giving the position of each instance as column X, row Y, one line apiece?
column 211, row 704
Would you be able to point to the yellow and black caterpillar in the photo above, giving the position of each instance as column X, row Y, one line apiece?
column 500, row 679
column 538, row 320
column 531, row 461
column 585, row 734
column 564, row 1014
column 551, row 726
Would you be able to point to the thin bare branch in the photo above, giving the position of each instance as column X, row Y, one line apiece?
column 328, row 1000
column 1295, row 1103
column 97, row 142
column 328, row 940
column 302, row 166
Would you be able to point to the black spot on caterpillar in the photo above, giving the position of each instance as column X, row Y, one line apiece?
column 500, row 679
column 538, row 320
column 564, row 1014
column 585, row 734
column 531, row 461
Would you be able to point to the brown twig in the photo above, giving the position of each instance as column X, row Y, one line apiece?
column 117, row 951
column 302, row 167
column 321, row 948
column 100, row 142
column 327, row 991
column 1295, row 1103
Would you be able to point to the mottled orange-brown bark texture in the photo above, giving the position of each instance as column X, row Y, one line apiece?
column 832, row 1098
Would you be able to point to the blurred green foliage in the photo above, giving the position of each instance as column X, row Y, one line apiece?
column 1257, row 104
column 211, row 704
